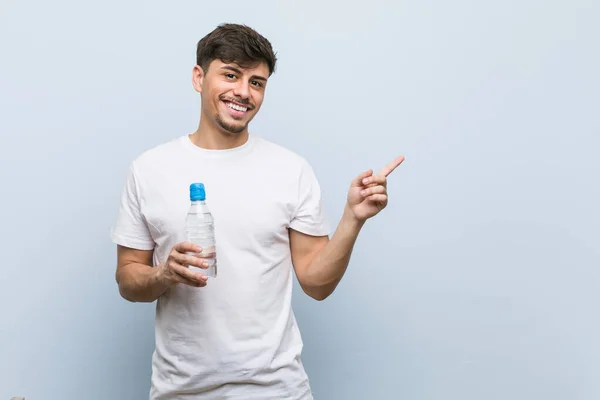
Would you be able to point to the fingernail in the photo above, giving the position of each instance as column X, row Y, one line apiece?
column 363, row 192
column 366, row 180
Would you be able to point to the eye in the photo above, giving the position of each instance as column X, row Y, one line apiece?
column 230, row 76
column 256, row 83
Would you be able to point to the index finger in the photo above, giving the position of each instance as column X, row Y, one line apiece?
column 391, row 166
column 185, row 247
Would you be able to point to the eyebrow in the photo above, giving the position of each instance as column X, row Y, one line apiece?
column 236, row 70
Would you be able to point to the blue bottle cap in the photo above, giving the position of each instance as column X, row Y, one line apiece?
column 197, row 192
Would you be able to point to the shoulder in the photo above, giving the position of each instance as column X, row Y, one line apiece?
column 282, row 155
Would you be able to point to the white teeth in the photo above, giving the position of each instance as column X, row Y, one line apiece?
column 236, row 107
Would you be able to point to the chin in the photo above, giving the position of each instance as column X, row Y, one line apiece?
column 231, row 128
column 234, row 132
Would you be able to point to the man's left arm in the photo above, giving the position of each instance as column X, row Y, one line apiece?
column 320, row 263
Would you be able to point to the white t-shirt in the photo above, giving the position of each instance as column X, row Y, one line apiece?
column 236, row 338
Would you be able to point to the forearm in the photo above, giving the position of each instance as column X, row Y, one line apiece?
column 327, row 269
column 140, row 282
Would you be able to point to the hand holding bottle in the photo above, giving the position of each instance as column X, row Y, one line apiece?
column 176, row 269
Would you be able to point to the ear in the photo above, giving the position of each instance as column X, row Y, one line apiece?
column 197, row 78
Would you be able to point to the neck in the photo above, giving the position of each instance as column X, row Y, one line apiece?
column 215, row 138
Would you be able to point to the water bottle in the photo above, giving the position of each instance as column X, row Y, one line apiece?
column 199, row 226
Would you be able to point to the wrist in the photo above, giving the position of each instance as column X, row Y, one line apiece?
column 161, row 276
column 350, row 219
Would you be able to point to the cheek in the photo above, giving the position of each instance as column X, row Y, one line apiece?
column 258, row 99
column 214, row 95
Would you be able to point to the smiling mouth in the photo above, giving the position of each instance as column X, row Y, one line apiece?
column 236, row 107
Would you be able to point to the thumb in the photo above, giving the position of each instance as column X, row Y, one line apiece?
column 358, row 180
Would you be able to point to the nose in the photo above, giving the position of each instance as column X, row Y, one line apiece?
column 242, row 89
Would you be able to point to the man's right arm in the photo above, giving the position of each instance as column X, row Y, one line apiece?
column 140, row 282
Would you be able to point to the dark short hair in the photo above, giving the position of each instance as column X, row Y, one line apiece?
column 234, row 43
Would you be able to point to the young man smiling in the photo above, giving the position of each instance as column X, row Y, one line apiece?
column 233, row 337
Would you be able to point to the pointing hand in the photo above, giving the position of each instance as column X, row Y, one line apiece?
column 368, row 193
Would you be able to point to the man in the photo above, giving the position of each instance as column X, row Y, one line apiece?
column 234, row 336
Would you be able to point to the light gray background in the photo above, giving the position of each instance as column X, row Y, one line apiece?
column 479, row 281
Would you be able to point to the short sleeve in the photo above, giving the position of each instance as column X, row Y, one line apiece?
column 130, row 228
column 310, row 217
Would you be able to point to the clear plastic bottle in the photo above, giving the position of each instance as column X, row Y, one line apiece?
column 199, row 226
